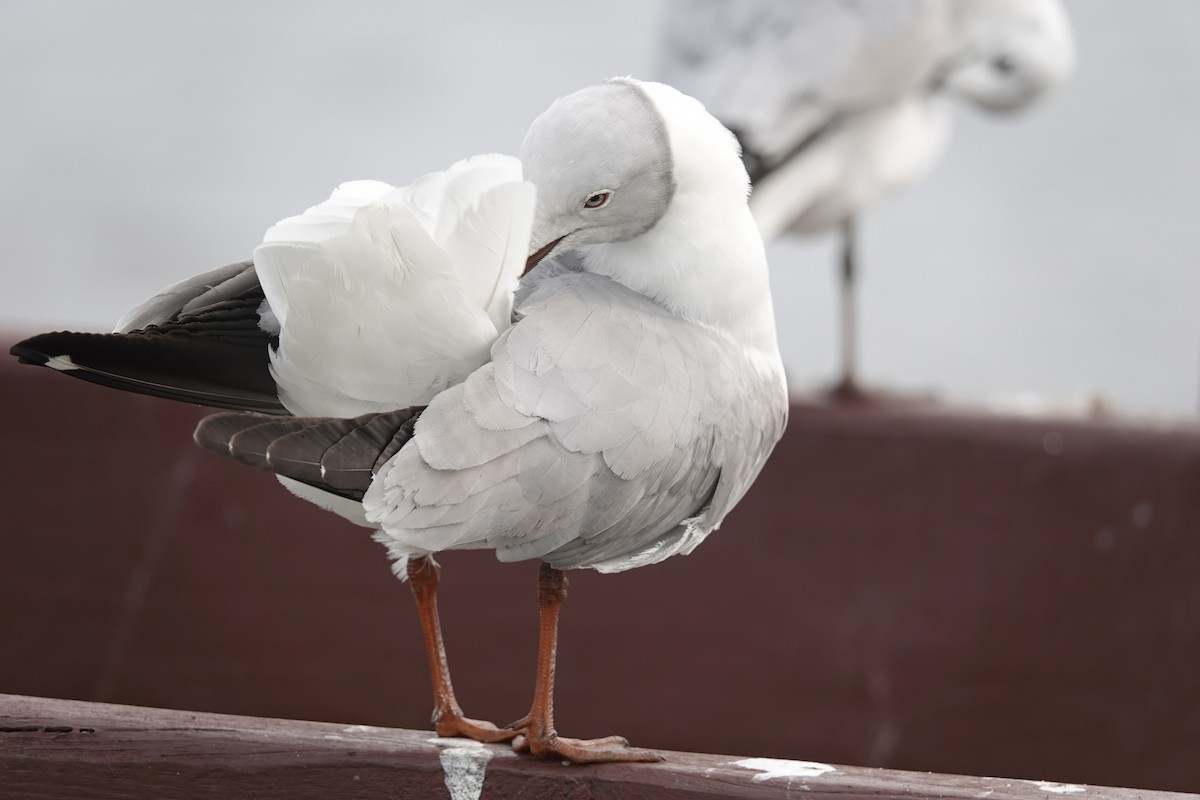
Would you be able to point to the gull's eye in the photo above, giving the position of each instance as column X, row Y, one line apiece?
column 598, row 199
column 1004, row 64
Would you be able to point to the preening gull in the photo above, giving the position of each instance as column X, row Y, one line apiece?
column 625, row 412
column 837, row 103
column 618, row 420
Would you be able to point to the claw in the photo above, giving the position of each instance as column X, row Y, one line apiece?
column 586, row 751
column 479, row 730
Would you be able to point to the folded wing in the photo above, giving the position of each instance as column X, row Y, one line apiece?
column 606, row 433
column 339, row 456
column 201, row 341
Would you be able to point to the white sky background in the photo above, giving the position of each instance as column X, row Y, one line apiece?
column 145, row 141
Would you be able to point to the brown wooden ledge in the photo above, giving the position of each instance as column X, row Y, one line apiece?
column 64, row 748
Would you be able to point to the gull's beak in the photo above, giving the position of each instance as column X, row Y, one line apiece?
column 539, row 254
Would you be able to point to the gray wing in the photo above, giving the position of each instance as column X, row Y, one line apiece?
column 778, row 72
column 605, row 433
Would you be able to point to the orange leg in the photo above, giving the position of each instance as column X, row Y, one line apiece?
column 448, row 718
column 537, row 730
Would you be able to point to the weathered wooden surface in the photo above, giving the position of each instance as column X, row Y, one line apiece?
column 914, row 590
column 60, row 748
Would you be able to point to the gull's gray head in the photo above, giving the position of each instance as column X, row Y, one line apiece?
column 1008, row 53
column 607, row 165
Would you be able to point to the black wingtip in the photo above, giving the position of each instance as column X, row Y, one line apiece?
column 33, row 350
column 205, row 370
column 25, row 356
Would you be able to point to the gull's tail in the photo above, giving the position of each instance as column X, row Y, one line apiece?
column 336, row 455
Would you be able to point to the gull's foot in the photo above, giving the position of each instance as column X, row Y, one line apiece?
column 853, row 395
column 849, row 392
column 582, row 751
column 477, row 729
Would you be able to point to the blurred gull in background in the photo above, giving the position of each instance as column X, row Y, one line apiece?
column 837, row 102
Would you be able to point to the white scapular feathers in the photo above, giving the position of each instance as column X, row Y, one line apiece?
column 386, row 296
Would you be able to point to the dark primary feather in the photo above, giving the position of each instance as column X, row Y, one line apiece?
column 337, row 455
column 193, row 295
column 759, row 167
column 208, row 348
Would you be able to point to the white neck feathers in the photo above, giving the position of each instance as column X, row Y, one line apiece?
column 704, row 259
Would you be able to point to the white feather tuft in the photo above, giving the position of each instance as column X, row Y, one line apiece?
column 385, row 296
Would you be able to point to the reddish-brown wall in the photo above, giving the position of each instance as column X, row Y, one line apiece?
column 936, row 592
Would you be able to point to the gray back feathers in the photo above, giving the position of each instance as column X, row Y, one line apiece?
column 606, row 433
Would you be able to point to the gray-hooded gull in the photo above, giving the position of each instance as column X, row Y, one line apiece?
column 618, row 420
column 837, row 103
